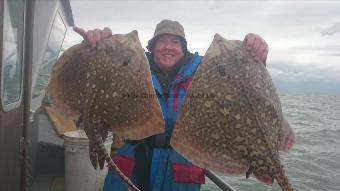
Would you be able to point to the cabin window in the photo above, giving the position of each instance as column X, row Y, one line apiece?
column 50, row 55
column 12, row 52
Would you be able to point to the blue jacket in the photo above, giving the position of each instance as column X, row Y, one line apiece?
column 169, row 170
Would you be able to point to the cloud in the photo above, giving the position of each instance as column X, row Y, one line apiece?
column 300, row 34
column 331, row 54
column 319, row 47
column 331, row 30
column 294, row 75
column 295, row 78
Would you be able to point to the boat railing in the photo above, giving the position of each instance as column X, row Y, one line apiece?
column 218, row 181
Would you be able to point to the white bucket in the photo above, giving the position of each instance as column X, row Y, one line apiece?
column 79, row 172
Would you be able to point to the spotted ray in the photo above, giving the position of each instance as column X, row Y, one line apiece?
column 107, row 88
column 231, row 119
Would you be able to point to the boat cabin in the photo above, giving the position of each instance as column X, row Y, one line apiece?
column 31, row 36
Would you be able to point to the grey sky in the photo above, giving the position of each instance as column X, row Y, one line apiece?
column 303, row 36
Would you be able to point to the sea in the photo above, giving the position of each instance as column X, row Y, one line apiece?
column 313, row 164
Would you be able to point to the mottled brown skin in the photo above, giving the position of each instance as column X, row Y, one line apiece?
column 237, row 126
column 105, row 89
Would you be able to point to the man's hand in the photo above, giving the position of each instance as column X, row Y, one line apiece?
column 94, row 37
column 257, row 47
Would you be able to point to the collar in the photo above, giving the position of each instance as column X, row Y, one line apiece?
column 156, row 69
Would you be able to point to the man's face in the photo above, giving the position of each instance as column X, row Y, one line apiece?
column 167, row 51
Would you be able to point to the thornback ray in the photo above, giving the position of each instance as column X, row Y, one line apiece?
column 237, row 125
column 107, row 88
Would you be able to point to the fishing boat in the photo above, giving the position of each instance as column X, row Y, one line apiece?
column 32, row 153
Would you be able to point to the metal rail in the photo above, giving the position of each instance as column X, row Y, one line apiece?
column 218, row 180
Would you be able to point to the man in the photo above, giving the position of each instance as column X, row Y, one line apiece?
column 151, row 163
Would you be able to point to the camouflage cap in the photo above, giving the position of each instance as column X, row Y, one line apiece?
column 168, row 27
